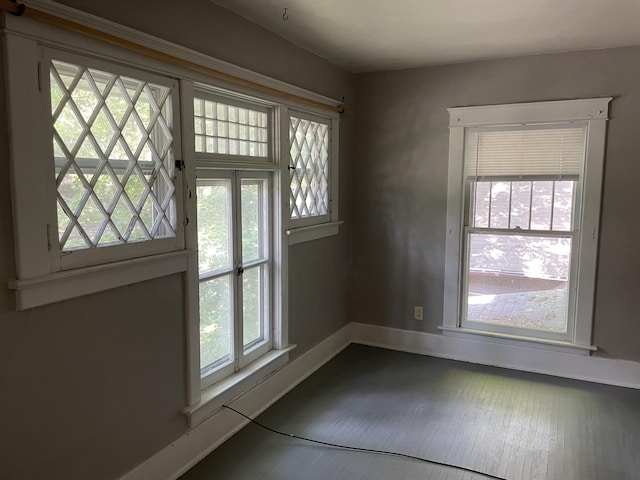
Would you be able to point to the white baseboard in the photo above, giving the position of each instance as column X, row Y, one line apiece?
column 197, row 443
column 178, row 457
column 622, row 373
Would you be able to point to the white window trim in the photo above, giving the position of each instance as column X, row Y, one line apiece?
column 314, row 228
column 592, row 111
column 34, row 279
column 244, row 358
column 312, row 232
column 64, row 285
column 25, row 39
column 40, row 278
column 206, row 395
column 87, row 257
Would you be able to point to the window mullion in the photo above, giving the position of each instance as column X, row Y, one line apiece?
column 236, row 216
column 510, row 200
column 521, row 231
column 553, row 204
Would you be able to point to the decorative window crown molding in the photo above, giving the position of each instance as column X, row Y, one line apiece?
column 534, row 112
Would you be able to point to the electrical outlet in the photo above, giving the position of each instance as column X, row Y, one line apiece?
column 418, row 314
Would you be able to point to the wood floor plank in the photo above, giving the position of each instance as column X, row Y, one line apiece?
column 516, row 425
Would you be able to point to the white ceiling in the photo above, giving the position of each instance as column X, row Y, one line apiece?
column 369, row 35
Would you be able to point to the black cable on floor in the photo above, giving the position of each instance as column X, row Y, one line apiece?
column 358, row 449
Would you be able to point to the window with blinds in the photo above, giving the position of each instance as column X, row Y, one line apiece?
column 549, row 151
column 519, row 236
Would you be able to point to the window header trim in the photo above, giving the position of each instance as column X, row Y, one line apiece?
column 534, row 112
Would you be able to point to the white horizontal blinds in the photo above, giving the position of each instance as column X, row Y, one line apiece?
column 550, row 151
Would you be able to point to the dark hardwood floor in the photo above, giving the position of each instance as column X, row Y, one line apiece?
column 510, row 424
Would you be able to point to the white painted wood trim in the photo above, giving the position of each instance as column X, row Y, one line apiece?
column 280, row 250
column 453, row 243
column 176, row 458
column 312, row 232
column 191, row 283
column 18, row 24
column 231, row 386
column 334, row 165
column 29, row 190
column 535, row 112
column 483, row 351
column 522, row 341
column 59, row 286
column 589, row 230
column 280, row 221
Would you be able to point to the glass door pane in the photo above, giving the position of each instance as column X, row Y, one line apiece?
column 255, row 257
column 215, row 267
column 214, row 225
column 253, row 214
column 234, row 268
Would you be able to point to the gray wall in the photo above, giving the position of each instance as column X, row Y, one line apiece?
column 400, row 193
column 92, row 387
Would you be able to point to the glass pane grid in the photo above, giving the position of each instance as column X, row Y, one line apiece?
column 229, row 129
column 541, row 205
column 112, row 144
column 309, row 151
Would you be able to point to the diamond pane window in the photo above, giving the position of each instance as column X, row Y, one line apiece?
column 113, row 152
column 226, row 129
column 309, row 167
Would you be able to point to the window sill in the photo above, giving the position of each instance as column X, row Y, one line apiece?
column 234, row 385
column 528, row 342
column 65, row 285
column 312, row 232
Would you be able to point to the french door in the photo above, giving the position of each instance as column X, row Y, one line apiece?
column 235, row 270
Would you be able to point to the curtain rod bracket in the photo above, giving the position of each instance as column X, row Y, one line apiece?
column 20, row 10
column 340, row 107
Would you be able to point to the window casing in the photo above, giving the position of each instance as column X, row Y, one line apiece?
column 313, row 172
column 46, row 275
column 309, row 169
column 519, row 264
column 114, row 132
column 234, row 270
column 234, row 220
column 523, row 213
